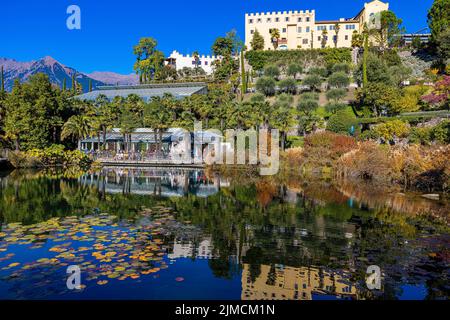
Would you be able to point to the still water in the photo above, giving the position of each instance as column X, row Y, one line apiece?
column 188, row 234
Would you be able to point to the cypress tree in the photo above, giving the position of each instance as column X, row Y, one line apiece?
column 244, row 83
column 2, row 89
column 365, row 54
column 64, row 84
column 73, row 83
column 90, row 85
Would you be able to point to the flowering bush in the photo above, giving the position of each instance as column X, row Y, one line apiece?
column 440, row 95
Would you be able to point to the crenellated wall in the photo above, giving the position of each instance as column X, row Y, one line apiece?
column 205, row 61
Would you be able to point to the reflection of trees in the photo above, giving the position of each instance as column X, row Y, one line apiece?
column 255, row 223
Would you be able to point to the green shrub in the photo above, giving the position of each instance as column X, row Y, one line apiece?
column 321, row 57
column 288, row 85
column 339, row 80
column 258, row 97
column 294, row 69
column 342, row 122
column 266, row 85
column 441, row 132
column 341, row 67
column 420, row 136
column 313, row 81
column 271, row 71
column 336, row 94
column 321, row 72
column 294, row 142
column 335, row 107
column 392, row 129
column 55, row 155
column 367, row 135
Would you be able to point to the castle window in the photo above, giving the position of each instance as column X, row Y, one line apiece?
column 206, row 63
column 305, row 41
column 268, row 19
column 252, row 31
column 307, row 29
column 284, row 29
column 286, row 19
column 277, row 19
column 250, row 21
column 346, row 37
column 299, row 19
column 259, row 19
column 307, row 19
column 350, row 27
column 299, row 30
column 332, row 27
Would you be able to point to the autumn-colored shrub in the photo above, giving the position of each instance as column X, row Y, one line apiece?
column 369, row 162
column 324, row 148
column 424, row 168
column 293, row 157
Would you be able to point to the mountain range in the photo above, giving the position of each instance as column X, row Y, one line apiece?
column 57, row 72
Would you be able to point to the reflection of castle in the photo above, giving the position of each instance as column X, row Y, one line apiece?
column 282, row 282
column 188, row 249
column 161, row 182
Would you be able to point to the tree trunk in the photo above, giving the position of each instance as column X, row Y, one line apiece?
column 104, row 138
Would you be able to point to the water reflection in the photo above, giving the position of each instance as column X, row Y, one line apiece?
column 184, row 234
column 160, row 182
column 279, row 282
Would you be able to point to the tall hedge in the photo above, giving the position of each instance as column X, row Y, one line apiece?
column 323, row 57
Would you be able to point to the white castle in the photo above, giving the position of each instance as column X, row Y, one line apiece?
column 180, row 61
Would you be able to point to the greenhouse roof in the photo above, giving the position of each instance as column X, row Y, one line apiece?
column 146, row 92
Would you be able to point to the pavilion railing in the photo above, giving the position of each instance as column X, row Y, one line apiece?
column 129, row 156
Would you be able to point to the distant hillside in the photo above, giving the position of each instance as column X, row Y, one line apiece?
column 114, row 78
column 57, row 72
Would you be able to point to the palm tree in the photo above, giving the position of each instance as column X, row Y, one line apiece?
column 159, row 118
column 196, row 57
column 275, row 35
column 337, row 28
column 78, row 127
column 128, row 123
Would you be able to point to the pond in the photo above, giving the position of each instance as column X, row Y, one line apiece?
column 191, row 234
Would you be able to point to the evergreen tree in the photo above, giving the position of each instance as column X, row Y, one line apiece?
column 2, row 89
column 365, row 55
column 64, row 85
column 243, row 80
column 257, row 42
column 90, row 85
column 439, row 18
column 73, row 83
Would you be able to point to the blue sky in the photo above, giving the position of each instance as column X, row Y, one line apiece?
column 31, row 29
